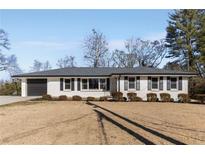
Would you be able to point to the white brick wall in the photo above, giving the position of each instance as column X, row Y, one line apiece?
column 23, row 87
column 144, row 88
column 53, row 88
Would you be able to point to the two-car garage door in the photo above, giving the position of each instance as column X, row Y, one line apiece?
column 36, row 87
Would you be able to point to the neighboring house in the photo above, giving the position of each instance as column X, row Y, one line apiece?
column 96, row 82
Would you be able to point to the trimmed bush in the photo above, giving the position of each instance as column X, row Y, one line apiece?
column 76, row 98
column 117, row 96
column 103, row 98
column 131, row 96
column 46, row 97
column 91, row 99
column 165, row 97
column 152, row 97
column 136, row 99
column 171, row 99
column 183, row 98
column 63, row 98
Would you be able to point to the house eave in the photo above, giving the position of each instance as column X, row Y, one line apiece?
column 114, row 74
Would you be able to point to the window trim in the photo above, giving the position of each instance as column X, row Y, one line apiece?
column 157, row 83
column 81, row 87
column 64, row 89
column 129, row 82
column 105, row 83
column 177, row 78
column 91, row 90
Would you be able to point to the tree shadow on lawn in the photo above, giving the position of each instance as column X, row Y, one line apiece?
column 129, row 131
column 172, row 140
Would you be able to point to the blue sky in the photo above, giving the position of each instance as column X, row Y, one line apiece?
column 53, row 34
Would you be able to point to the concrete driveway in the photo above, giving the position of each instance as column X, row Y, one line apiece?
column 13, row 99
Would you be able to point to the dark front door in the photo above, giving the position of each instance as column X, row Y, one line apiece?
column 36, row 87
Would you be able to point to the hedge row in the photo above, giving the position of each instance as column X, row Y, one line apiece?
column 74, row 98
column 118, row 96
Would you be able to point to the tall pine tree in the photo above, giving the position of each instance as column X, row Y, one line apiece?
column 201, row 43
column 185, row 38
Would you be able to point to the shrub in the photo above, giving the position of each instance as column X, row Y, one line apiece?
column 10, row 88
column 91, row 98
column 171, row 99
column 183, row 98
column 136, row 99
column 46, row 97
column 63, row 98
column 165, row 97
column 196, row 86
column 152, row 97
column 117, row 96
column 131, row 96
column 76, row 98
column 103, row 98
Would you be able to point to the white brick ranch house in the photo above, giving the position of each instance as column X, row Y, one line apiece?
column 96, row 82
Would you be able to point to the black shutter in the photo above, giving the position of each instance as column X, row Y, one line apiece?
column 108, row 84
column 161, row 83
column 149, row 83
column 72, row 84
column 137, row 83
column 61, row 84
column 168, row 83
column 78, row 83
column 180, row 83
column 125, row 83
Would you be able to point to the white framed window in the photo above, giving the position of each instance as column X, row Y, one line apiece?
column 155, row 83
column 102, row 84
column 67, row 84
column 93, row 84
column 173, row 82
column 131, row 82
column 84, row 84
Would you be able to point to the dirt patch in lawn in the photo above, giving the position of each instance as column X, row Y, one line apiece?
column 68, row 122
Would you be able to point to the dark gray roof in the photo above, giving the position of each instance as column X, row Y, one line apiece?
column 102, row 71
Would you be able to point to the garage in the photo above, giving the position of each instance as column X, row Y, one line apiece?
column 36, row 87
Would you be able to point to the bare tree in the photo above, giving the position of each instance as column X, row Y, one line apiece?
column 126, row 58
column 150, row 53
column 4, row 44
column 13, row 67
column 47, row 66
column 39, row 66
column 67, row 61
column 96, row 49
column 7, row 63
column 123, row 59
column 140, row 53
